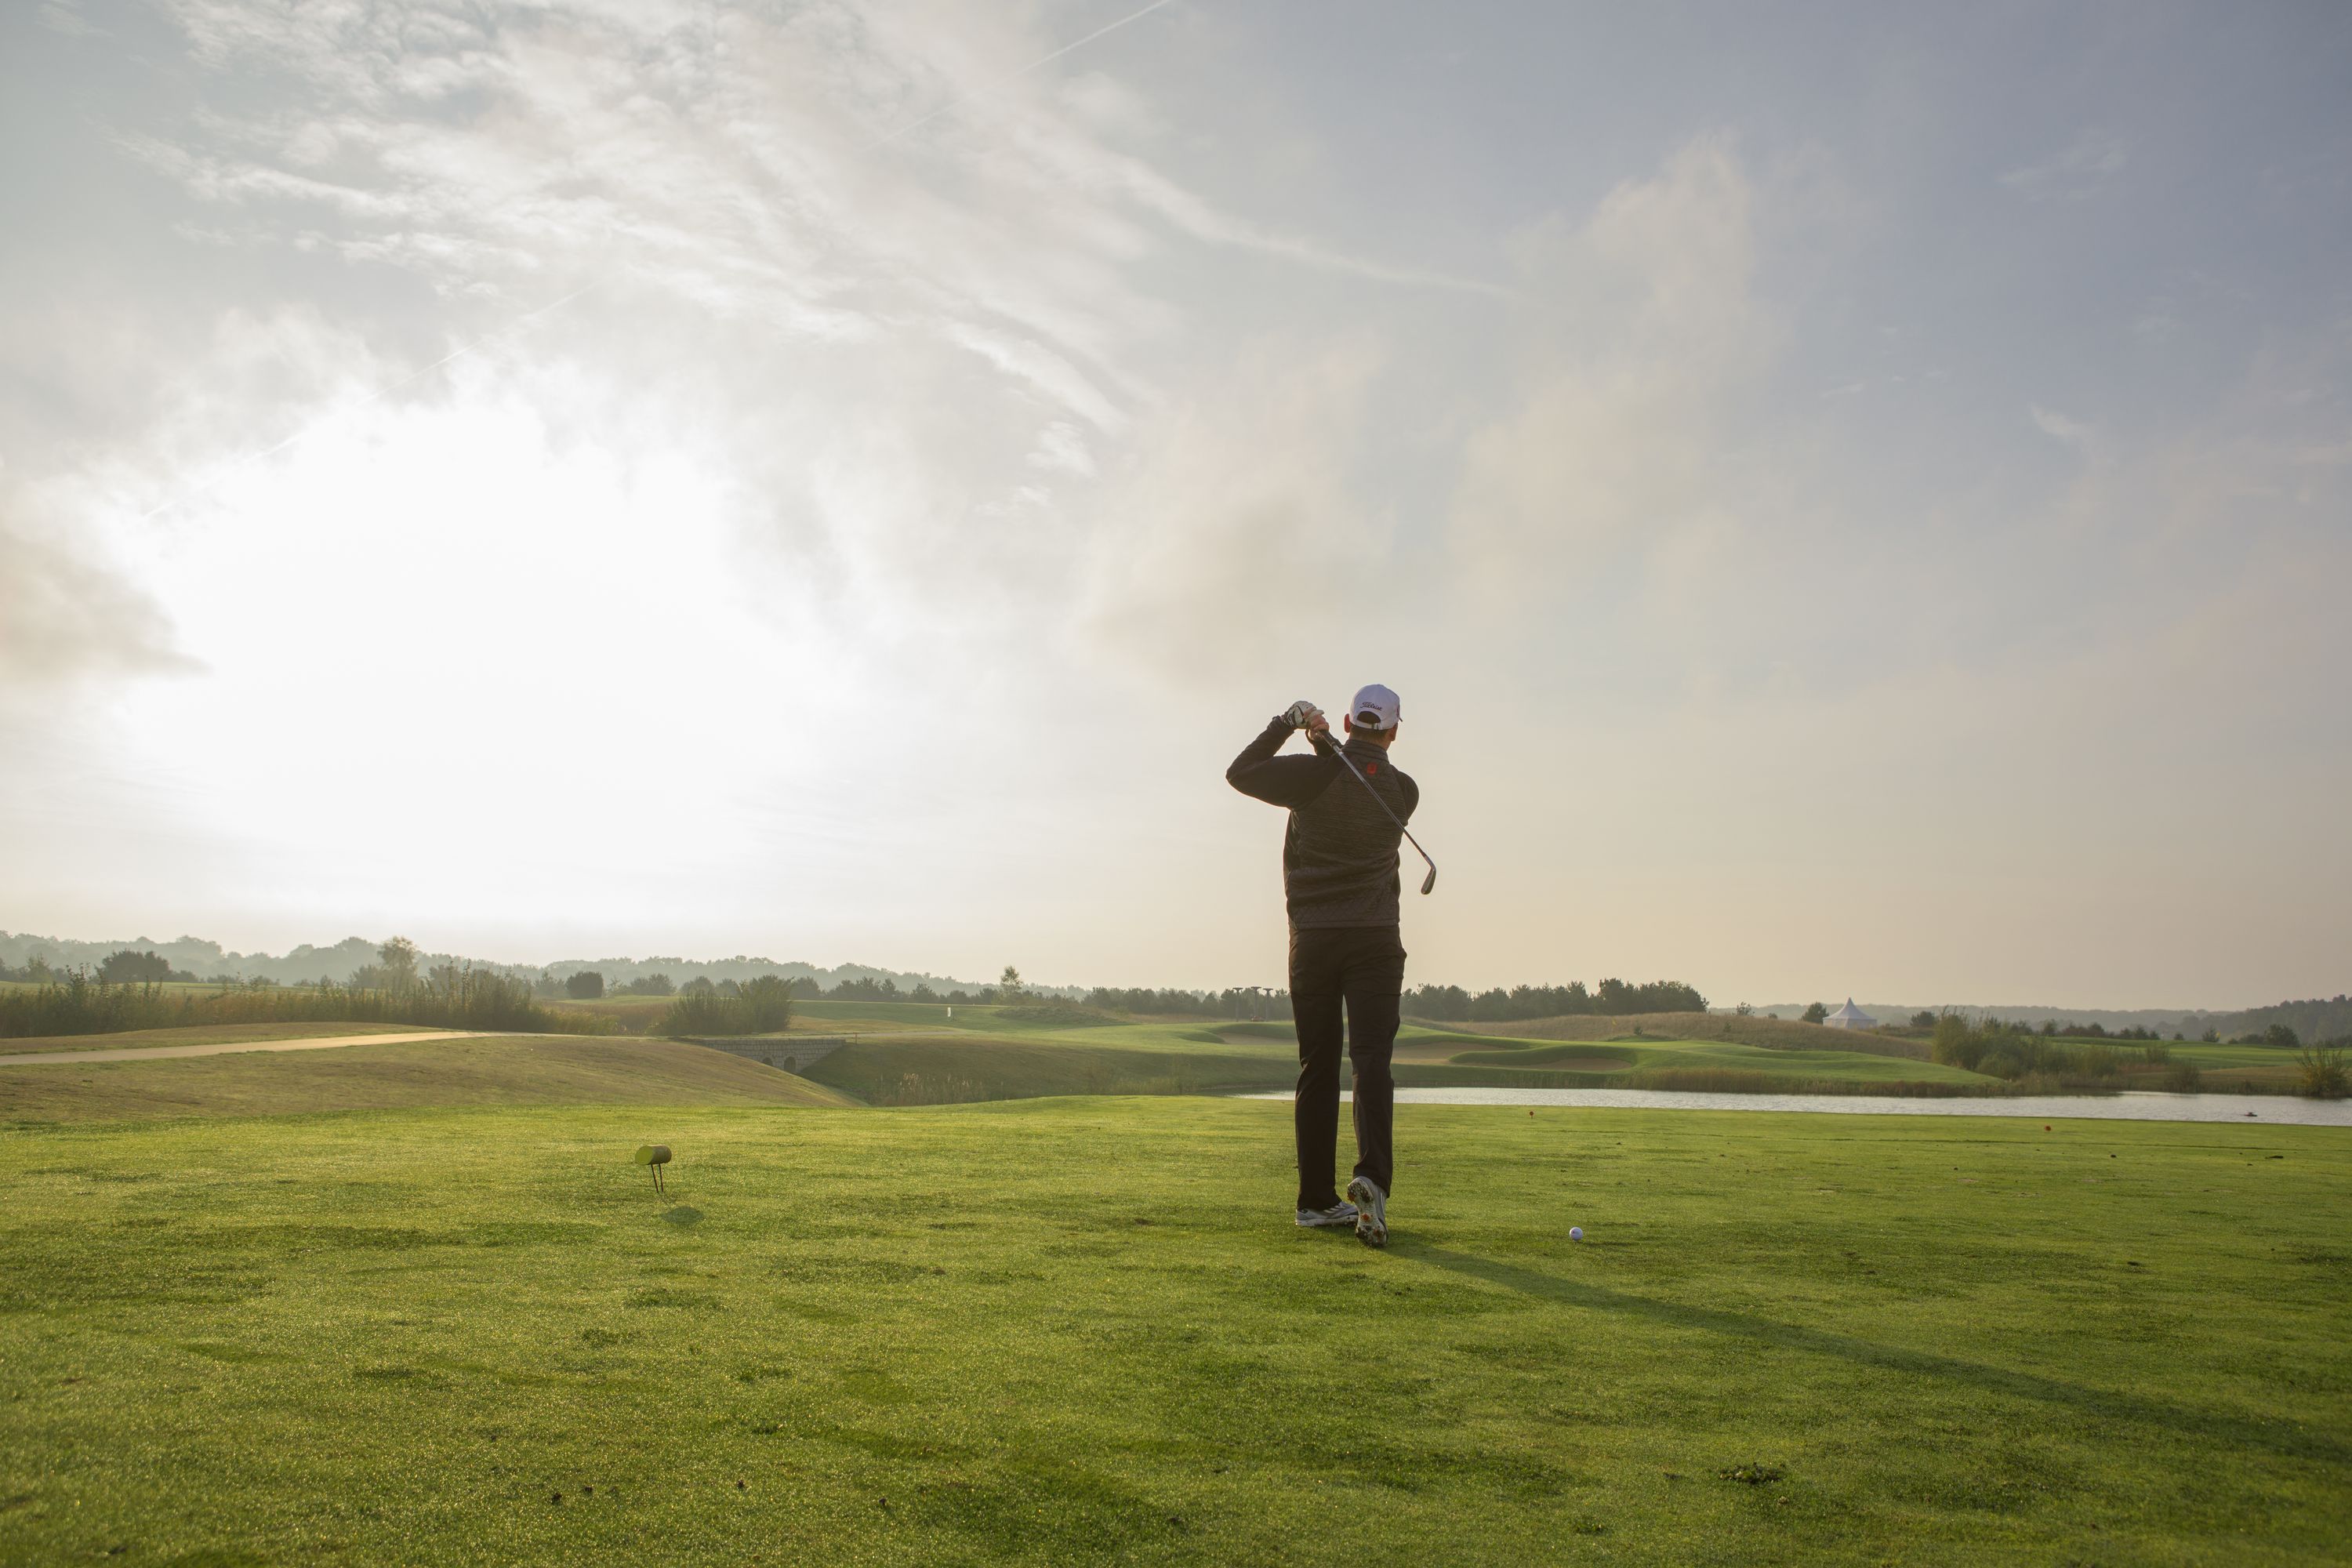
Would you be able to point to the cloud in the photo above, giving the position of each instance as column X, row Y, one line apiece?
column 1650, row 325
column 2087, row 162
column 66, row 16
column 1236, row 528
column 2052, row 423
column 932, row 309
column 66, row 615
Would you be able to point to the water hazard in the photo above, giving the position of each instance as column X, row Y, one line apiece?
column 2275, row 1109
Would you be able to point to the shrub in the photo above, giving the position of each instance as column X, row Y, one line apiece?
column 584, row 986
column 763, row 1005
column 2184, row 1079
column 1954, row 1044
column 2002, row 1061
column 2323, row 1075
column 1816, row 1013
column 700, row 1010
column 767, row 1003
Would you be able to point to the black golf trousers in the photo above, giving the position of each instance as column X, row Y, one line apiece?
column 1363, row 968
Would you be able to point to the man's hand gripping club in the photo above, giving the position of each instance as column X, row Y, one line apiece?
column 1303, row 715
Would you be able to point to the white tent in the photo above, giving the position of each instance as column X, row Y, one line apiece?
column 1850, row 1017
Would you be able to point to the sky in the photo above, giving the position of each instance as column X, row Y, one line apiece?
column 1854, row 499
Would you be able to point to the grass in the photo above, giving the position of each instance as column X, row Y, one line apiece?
column 639, row 1015
column 1784, row 1034
column 1853, row 1067
column 519, row 1069
column 1193, row 1057
column 932, row 1069
column 959, row 1335
column 200, row 1035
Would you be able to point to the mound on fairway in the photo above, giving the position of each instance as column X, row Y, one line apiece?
column 198, row 1034
column 1086, row 1331
column 508, row 1069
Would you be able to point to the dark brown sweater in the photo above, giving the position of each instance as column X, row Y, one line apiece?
column 1339, row 853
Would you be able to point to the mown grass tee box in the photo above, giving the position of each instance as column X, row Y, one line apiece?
column 1086, row 1331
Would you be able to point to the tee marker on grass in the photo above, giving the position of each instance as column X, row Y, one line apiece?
column 654, row 1156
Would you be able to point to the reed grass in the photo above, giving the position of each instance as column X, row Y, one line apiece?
column 450, row 997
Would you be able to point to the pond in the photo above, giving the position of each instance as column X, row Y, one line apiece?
column 2275, row 1109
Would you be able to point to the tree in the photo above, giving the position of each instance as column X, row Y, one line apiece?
column 1746, row 1009
column 922, row 993
column 1923, row 1019
column 398, row 957
column 2280, row 1034
column 584, row 986
column 1009, row 987
column 132, row 966
column 1816, row 1013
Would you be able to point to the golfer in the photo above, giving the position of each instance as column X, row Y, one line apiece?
column 1339, row 881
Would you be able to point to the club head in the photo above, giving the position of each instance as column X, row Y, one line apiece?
column 1429, row 882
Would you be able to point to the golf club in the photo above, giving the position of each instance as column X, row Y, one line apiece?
column 1322, row 737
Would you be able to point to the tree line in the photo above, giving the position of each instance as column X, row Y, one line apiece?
column 1612, row 999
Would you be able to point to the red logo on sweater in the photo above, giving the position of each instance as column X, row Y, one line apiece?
column 1371, row 768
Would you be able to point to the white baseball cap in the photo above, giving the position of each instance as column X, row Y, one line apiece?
column 1374, row 708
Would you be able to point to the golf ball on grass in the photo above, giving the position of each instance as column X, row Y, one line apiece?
column 1576, row 1233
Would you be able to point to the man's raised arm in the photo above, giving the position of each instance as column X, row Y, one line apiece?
column 1289, row 782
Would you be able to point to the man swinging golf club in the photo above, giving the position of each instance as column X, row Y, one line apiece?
column 1340, row 882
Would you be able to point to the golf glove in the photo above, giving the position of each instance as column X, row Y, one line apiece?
column 1300, row 714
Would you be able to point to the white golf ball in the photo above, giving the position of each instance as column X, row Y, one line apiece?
column 1576, row 1233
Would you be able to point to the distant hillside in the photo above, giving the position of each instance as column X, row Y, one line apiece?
column 2313, row 1020
column 2190, row 1021
column 206, row 959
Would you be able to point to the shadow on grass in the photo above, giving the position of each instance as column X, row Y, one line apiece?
column 2279, row 1437
column 689, row 1214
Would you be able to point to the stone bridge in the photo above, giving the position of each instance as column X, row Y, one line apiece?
column 792, row 1053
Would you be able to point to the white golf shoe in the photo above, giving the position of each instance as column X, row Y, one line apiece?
column 1371, row 1211
column 1338, row 1214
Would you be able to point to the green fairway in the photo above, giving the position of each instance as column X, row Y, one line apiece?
column 1799, row 1066
column 945, row 1070
column 1086, row 1331
column 992, row 1058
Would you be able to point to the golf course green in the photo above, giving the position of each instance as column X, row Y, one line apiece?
column 465, row 1329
